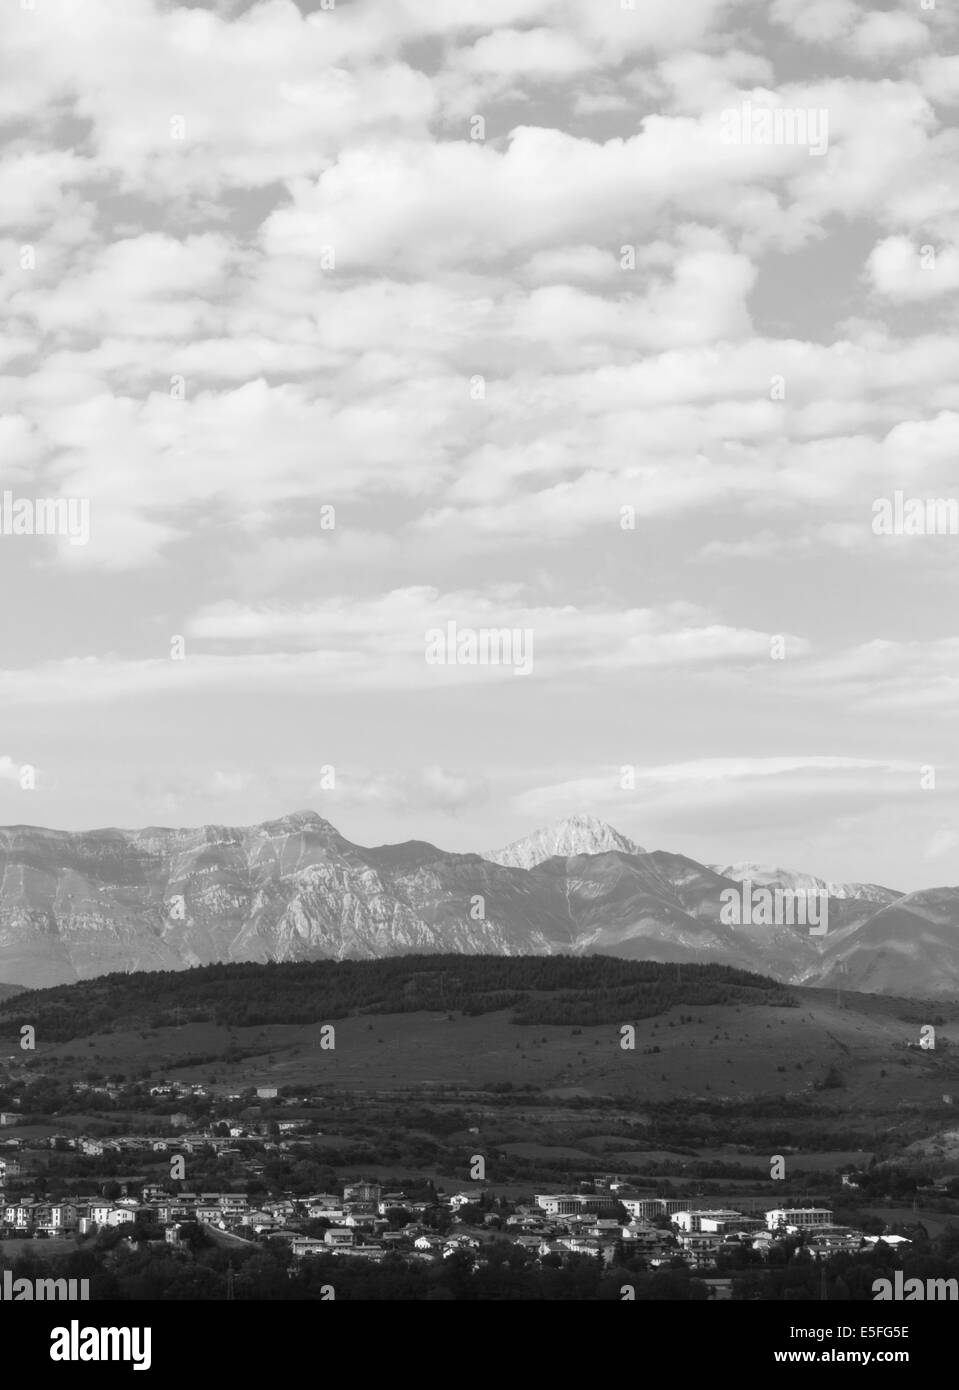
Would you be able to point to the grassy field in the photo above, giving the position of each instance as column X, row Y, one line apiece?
column 722, row 1052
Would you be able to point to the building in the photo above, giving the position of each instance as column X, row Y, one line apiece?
column 712, row 1222
column 647, row 1208
column 362, row 1192
column 267, row 1092
column 109, row 1214
column 337, row 1237
column 797, row 1218
column 57, row 1218
column 645, row 1236
column 575, row 1203
column 20, row 1215
column 324, row 1209
column 307, row 1245
column 698, row 1247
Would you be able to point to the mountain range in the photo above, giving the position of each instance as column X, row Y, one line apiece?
column 77, row 905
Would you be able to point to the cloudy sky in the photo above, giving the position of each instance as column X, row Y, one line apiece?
column 348, row 323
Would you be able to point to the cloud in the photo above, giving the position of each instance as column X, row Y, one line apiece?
column 406, row 790
column 904, row 272
column 887, row 35
column 382, row 642
column 296, row 282
column 941, row 843
column 9, row 770
column 717, row 783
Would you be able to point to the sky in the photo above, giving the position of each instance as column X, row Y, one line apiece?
column 614, row 329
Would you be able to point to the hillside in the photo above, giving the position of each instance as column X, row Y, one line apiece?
column 558, row 989
column 719, row 1059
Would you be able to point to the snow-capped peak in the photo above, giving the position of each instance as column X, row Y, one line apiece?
column 566, row 838
column 768, row 877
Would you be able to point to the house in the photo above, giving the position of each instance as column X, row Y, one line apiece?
column 262, row 1221
column 642, row 1234
column 605, row 1226
column 359, row 1220
column 306, row 1245
column 332, row 1211
column 362, row 1192
column 337, row 1237
column 531, row 1243
column 578, row 1245
column 828, row 1242
column 20, row 1215
column 103, row 1213
column 390, row 1200
column 280, row 1208
column 267, row 1092
column 57, row 1218
column 698, row 1241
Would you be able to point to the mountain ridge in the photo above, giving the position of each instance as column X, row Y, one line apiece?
column 79, row 904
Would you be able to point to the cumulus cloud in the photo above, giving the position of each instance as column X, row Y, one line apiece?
column 265, row 263
column 902, row 271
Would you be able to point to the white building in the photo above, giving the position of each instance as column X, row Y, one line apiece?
column 797, row 1218
column 705, row 1220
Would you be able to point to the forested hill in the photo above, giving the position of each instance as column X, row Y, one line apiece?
column 536, row 989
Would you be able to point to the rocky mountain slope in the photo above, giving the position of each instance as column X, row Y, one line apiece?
column 74, row 906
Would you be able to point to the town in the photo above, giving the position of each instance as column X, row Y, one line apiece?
column 52, row 1191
